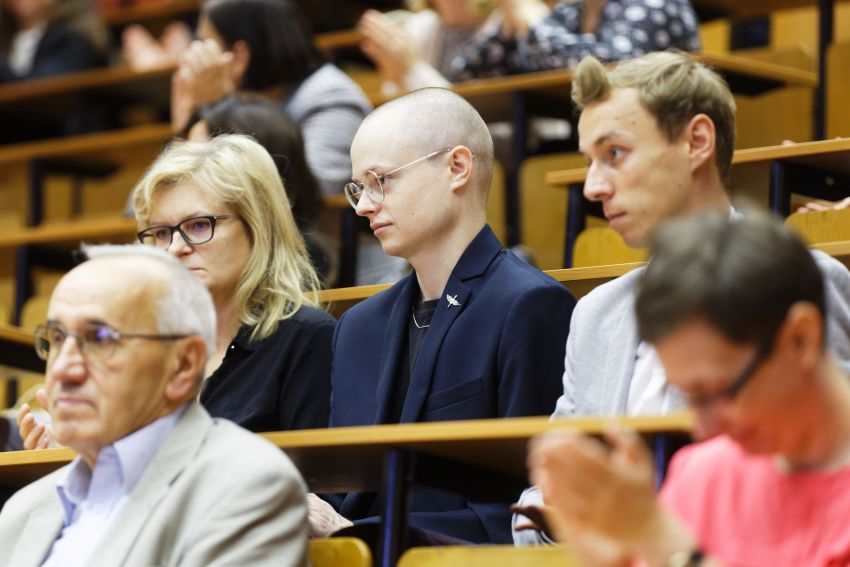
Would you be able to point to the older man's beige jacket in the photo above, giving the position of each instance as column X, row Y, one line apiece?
column 214, row 494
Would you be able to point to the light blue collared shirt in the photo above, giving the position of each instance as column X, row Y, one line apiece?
column 93, row 497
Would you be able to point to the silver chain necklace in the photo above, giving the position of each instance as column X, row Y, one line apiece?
column 415, row 322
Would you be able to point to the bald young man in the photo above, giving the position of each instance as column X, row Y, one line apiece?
column 473, row 332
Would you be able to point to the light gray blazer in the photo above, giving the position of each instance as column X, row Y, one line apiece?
column 602, row 347
column 214, row 494
column 603, row 340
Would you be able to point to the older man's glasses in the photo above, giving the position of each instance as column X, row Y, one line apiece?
column 733, row 388
column 195, row 230
column 373, row 183
column 94, row 340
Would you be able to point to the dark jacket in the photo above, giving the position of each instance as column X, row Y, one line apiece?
column 499, row 353
column 60, row 50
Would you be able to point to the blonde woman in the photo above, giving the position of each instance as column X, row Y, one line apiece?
column 220, row 208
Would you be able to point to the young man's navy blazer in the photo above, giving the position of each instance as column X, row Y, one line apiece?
column 497, row 352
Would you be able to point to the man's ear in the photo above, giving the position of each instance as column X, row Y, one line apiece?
column 191, row 358
column 461, row 166
column 802, row 335
column 241, row 60
column 701, row 137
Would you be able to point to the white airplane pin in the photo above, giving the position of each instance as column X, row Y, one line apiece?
column 453, row 302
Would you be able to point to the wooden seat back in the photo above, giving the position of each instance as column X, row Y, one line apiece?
column 821, row 226
column 488, row 556
column 340, row 552
column 603, row 246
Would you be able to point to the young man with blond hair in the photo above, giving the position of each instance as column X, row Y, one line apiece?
column 658, row 133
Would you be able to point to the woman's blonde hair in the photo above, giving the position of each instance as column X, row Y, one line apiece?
column 237, row 170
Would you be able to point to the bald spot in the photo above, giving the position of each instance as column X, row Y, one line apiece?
column 431, row 119
column 129, row 286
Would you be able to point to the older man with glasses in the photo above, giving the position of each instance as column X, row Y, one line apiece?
column 737, row 313
column 472, row 333
column 156, row 480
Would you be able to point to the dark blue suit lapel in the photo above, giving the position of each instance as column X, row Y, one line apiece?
column 472, row 264
column 394, row 335
column 423, row 373
column 359, row 504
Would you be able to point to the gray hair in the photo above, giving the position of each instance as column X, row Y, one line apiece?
column 186, row 307
column 740, row 276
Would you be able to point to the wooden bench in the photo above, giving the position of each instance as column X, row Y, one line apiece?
column 340, row 552
column 55, row 96
column 821, row 227
column 755, row 8
column 489, row 556
column 121, row 14
column 818, row 169
column 52, row 99
column 513, row 98
column 580, row 281
column 43, row 245
column 482, row 458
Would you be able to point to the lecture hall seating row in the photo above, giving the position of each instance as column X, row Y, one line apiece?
column 15, row 342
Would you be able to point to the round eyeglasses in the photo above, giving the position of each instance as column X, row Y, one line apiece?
column 94, row 340
column 195, row 230
column 373, row 183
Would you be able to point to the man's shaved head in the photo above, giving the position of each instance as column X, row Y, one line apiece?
column 434, row 118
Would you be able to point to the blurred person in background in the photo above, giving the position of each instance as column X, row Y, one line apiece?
column 267, row 46
column 39, row 38
column 530, row 36
column 417, row 52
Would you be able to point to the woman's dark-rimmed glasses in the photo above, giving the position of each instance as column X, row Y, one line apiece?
column 195, row 230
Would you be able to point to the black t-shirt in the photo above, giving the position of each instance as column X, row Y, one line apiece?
column 417, row 327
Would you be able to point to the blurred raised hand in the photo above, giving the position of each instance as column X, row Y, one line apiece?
column 204, row 75
column 387, row 45
column 519, row 16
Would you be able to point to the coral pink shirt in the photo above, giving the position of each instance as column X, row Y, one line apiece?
column 746, row 512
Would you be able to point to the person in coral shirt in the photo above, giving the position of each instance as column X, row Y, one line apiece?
column 735, row 309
